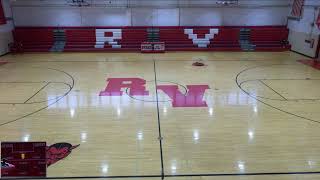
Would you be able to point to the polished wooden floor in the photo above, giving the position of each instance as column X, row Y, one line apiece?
column 263, row 114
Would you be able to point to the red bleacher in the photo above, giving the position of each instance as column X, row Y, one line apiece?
column 175, row 38
column 226, row 40
column 270, row 39
column 34, row 40
column 80, row 39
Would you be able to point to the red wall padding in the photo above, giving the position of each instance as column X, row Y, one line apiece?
column 2, row 16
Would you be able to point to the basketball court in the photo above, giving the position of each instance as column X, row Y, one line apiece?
column 162, row 89
column 253, row 119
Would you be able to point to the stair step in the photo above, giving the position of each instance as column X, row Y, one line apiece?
column 153, row 34
column 153, row 30
column 59, row 37
column 245, row 43
column 59, row 31
column 245, row 29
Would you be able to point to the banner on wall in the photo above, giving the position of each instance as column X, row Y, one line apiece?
column 297, row 8
column 2, row 16
column 153, row 47
column 318, row 20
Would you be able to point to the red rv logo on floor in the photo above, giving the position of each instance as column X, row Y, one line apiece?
column 193, row 97
column 58, row 151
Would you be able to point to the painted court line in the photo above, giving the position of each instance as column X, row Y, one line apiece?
column 273, row 90
column 237, row 81
column 147, row 60
column 312, row 63
column 178, row 175
column 57, row 100
column 158, row 116
column 37, row 92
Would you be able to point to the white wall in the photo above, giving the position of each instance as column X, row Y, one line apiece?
column 201, row 17
column 105, row 17
column 255, row 16
column 70, row 16
column 149, row 3
column 233, row 16
column 142, row 17
column 154, row 17
column 5, row 30
column 301, row 30
column 46, row 16
column 150, row 13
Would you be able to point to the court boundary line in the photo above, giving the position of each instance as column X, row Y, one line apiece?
column 174, row 175
column 147, row 60
column 85, row 177
column 158, row 117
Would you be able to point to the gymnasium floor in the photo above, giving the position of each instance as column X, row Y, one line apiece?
column 260, row 115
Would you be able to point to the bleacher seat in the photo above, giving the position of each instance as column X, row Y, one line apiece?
column 130, row 38
column 34, row 40
column 270, row 39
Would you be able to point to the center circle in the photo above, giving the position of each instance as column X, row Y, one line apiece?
column 152, row 97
